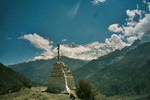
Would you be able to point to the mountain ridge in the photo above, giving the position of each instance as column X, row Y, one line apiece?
column 128, row 76
column 38, row 71
column 92, row 66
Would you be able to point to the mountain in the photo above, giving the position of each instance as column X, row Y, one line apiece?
column 129, row 76
column 146, row 37
column 125, row 71
column 93, row 66
column 39, row 71
column 11, row 81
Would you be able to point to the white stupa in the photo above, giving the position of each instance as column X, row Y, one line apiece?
column 61, row 79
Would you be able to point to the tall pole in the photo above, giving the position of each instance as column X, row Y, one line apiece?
column 58, row 47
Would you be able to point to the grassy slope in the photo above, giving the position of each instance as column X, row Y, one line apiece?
column 93, row 66
column 131, row 75
column 11, row 81
column 35, row 93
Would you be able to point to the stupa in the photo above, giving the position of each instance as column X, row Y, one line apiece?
column 61, row 79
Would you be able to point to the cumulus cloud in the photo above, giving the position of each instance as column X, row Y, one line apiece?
column 137, row 24
column 40, row 43
column 115, row 28
column 37, row 41
column 139, row 28
column 131, row 39
column 84, row 52
column 133, row 13
column 115, row 42
column 98, row 1
column 129, row 31
column 75, row 52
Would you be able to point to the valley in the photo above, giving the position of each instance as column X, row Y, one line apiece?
column 39, row 71
column 83, row 49
column 117, row 73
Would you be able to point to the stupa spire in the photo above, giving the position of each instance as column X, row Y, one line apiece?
column 58, row 48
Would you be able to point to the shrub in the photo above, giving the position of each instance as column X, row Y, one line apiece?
column 85, row 91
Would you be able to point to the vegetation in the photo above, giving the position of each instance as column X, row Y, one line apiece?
column 11, row 81
column 34, row 93
column 85, row 91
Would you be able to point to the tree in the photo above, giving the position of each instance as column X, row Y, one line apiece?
column 85, row 91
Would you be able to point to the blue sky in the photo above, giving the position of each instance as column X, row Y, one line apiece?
column 78, row 21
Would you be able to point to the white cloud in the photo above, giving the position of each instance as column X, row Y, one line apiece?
column 139, row 28
column 51, row 42
column 131, row 39
column 115, row 28
column 64, row 40
column 133, row 13
column 84, row 52
column 130, row 13
column 98, row 1
column 128, row 28
column 75, row 52
column 74, row 10
column 130, row 31
column 38, row 41
column 115, row 42
column 133, row 29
